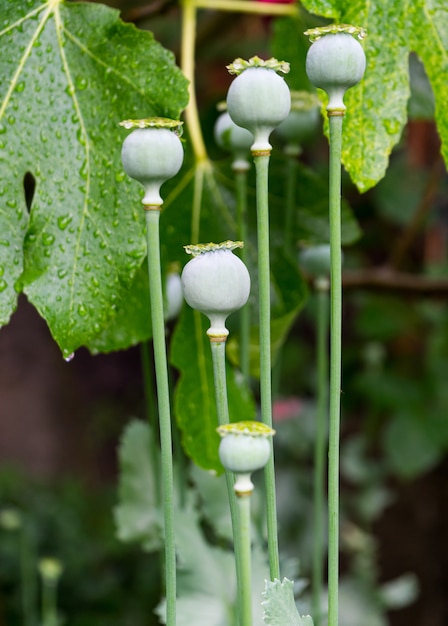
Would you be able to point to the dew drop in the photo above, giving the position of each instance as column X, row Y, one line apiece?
column 120, row 176
column 2, row 270
column 81, row 83
column 64, row 221
column 69, row 357
column 3, row 285
column 82, row 311
column 11, row 119
column 20, row 87
column 47, row 239
column 62, row 273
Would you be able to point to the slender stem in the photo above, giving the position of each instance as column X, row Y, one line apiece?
column 222, row 407
column 243, row 546
column 319, row 450
column 188, row 37
column 262, row 167
column 246, row 6
column 49, row 603
column 28, row 586
column 151, row 411
column 163, row 396
column 241, row 204
column 335, row 365
column 291, row 182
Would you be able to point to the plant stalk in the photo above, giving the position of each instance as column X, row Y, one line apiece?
column 163, row 397
column 335, row 124
column 28, row 584
column 188, row 38
column 222, row 407
column 262, row 167
column 321, row 287
column 243, row 546
column 291, row 182
column 49, row 603
column 241, row 204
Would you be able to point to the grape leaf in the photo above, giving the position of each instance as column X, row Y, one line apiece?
column 280, row 607
column 377, row 107
column 68, row 75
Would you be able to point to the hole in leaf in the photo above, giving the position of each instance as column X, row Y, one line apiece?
column 29, row 186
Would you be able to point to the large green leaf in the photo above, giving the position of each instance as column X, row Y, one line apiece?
column 68, row 75
column 377, row 107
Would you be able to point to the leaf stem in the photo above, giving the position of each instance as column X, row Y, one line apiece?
column 321, row 286
column 335, row 126
column 262, row 166
column 163, row 395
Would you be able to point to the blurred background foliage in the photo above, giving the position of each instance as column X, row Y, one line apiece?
column 395, row 396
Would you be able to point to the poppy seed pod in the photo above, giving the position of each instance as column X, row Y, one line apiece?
column 335, row 61
column 216, row 283
column 152, row 154
column 244, row 448
column 258, row 99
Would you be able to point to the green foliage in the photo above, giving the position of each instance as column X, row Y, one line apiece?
column 137, row 516
column 70, row 74
column 195, row 405
column 377, row 110
column 280, row 607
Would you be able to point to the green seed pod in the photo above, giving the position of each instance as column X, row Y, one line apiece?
column 335, row 61
column 244, row 448
column 152, row 154
column 234, row 139
column 300, row 123
column 173, row 295
column 315, row 260
column 258, row 99
column 215, row 282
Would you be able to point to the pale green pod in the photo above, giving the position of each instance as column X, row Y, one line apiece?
column 259, row 99
column 335, row 62
column 216, row 283
column 152, row 156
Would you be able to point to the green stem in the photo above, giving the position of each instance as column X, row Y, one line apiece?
column 49, row 603
column 151, row 411
column 335, row 122
column 163, row 394
column 319, row 449
column 188, row 38
column 262, row 167
column 28, row 585
column 243, row 545
column 241, row 204
column 290, row 212
column 222, row 407
column 248, row 6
